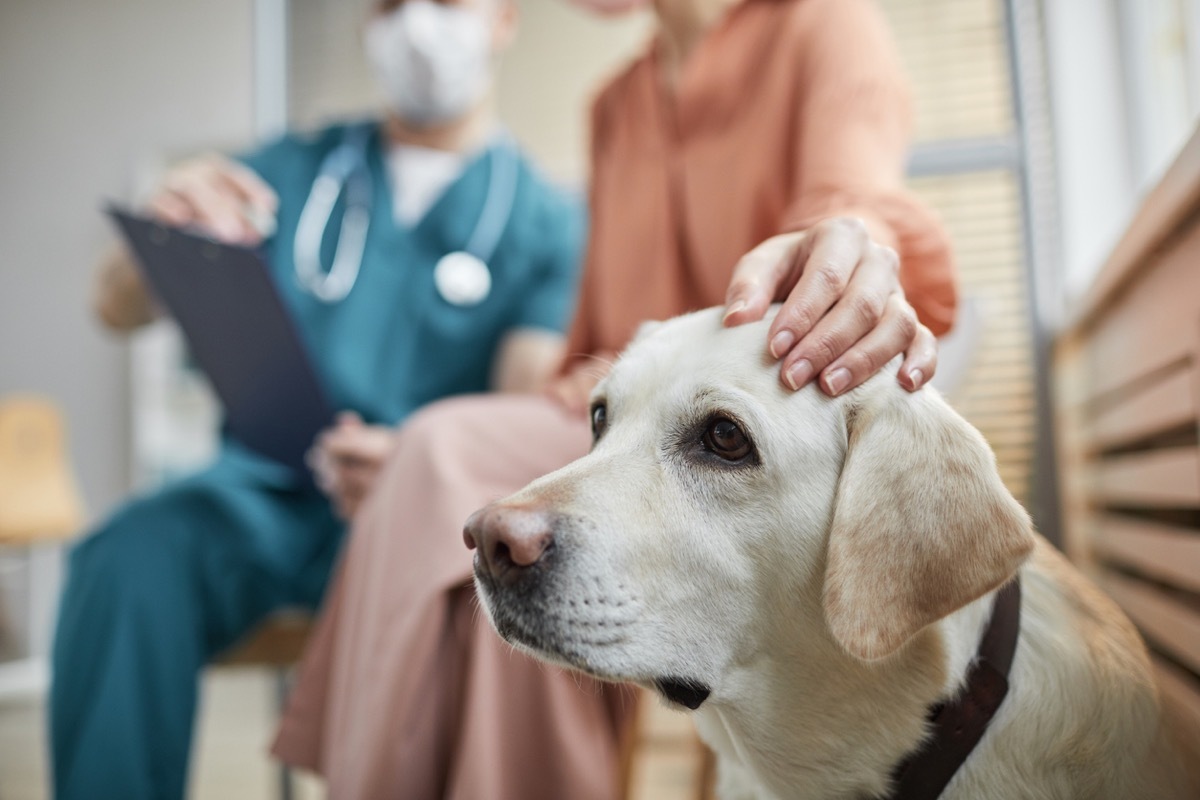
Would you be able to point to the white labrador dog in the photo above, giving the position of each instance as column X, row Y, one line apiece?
column 813, row 575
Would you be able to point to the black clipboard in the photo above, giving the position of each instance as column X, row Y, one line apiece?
column 239, row 332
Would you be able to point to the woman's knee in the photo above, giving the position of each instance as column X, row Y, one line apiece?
column 442, row 432
column 440, row 419
column 474, row 423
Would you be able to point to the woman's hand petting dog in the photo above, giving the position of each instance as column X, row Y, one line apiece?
column 844, row 313
column 347, row 458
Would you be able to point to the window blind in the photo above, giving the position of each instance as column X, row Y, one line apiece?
column 956, row 56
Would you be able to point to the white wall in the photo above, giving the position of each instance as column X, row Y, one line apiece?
column 562, row 54
column 1095, row 173
column 1125, row 85
column 88, row 90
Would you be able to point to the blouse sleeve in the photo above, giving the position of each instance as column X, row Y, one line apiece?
column 853, row 129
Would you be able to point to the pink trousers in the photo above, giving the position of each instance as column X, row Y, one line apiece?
column 405, row 692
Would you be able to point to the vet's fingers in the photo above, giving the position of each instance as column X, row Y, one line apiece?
column 171, row 209
column 221, row 212
column 213, row 194
column 366, row 444
column 348, row 447
column 253, row 190
column 894, row 334
column 342, row 443
column 324, row 473
column 763, row 274
column 855, row 314
column 345, row 492
column 920, row 360
column 838, row 246
column 355, row 480
column 348, row 418
column 215, row 210
column 345, row 507
column 258, row 202
column 358, row 476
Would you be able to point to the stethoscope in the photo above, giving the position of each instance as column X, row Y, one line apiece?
column 461, row 277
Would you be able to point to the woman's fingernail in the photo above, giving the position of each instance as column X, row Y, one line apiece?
column 837, row 380
column 782, row 342
column 916, row 377
column 739, row 305
column 798, row 374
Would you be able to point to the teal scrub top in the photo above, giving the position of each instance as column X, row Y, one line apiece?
column 394, row 343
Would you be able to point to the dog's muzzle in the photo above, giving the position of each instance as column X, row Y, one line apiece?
column 523, row 578
column 514, row 550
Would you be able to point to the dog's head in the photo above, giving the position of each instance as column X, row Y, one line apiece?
column 719, row 514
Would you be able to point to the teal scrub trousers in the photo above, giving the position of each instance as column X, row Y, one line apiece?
column 166, row 584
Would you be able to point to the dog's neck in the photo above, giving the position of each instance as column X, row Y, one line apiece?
column 812, row 710
column 959, row 724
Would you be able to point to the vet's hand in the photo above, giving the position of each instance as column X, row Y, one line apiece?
column 227, row 200
column 844, row 313
column 347, row 459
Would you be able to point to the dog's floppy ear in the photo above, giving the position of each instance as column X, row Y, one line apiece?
column 922, row 524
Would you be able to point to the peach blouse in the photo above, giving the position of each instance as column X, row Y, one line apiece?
column 786, row 113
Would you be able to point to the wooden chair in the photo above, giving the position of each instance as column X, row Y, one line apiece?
column 276, row 644
column 664, row 758
column 39, row 499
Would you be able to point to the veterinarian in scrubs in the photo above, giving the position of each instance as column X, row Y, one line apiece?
column 754, row 152
column 463, row 280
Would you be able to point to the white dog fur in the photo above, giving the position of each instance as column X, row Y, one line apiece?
column 830, row 593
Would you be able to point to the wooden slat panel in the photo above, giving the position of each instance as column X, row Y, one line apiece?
column 1164, row 404
column 1169, row 624
column 982, row 213
column 1162, row 212
column 1181, row 697
column 1142, row 330
column 1162, row 552
column 1168, row 477
column 1180, row 689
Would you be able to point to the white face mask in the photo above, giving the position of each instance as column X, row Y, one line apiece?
column 432, row 60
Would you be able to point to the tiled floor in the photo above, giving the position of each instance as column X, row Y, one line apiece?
column 232, row 739
column 235, row 728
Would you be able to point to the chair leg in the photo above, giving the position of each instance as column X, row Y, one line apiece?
column 283, row 685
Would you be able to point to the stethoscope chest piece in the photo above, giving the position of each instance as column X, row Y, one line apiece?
column 462, row 279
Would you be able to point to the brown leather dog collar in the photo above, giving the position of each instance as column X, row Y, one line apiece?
column 959, row 724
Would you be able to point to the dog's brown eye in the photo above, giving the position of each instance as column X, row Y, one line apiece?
column 599, row 420
column 724, row 438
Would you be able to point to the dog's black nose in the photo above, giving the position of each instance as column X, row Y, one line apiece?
column 510, row 538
